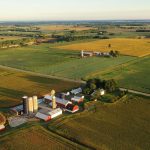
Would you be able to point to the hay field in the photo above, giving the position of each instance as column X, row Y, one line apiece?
column 63, row 27
column 6, row 38
column 35, row 138
column 13, row 85
column 133, row 47
column 120, row 126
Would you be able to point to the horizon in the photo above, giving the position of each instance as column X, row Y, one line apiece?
column 66, row 10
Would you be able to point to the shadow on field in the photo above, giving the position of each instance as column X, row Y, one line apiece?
column 11, row 92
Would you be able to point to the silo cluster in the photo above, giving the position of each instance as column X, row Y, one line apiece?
column 30, row 105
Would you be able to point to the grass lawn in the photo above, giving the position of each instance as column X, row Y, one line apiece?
column 13, row 85
column 35, row 138
column 123, row 125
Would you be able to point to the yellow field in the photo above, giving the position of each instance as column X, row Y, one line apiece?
column 64, row 27
column 5, row 38
column 13, row 85
column 133, row 47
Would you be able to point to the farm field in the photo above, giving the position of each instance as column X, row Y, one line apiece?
column 67, row 64
column 6, row 38
column 13, row 85
column 133, row 47
column 63, row 27
column 133, row 76
column 46, row 60
column 42, row 139
column 123, row 125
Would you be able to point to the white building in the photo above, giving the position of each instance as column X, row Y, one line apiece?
column 76, row 91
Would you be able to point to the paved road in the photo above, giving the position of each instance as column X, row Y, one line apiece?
column 42, row 75
column 135, row 92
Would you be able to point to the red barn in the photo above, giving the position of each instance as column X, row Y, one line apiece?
column 60, row 102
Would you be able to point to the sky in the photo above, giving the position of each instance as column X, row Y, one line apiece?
column 41, row 10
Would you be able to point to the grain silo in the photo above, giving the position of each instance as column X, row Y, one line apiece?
column 30, row 105
column 35, row 104
column 25, row 104
column 54, row 105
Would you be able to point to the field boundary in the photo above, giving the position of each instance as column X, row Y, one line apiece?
column 135, row 92
column 49, row 134
column 42, row 75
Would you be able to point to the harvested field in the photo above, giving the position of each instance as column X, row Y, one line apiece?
column 120, row 126
column 35, row 138
column 6, row 38
column 13, row 85
column 133, row 47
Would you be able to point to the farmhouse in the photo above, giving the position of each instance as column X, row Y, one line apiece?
column 101, row 92
column 93, row 53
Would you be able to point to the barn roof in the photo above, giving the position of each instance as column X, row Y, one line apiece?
column 58, row 100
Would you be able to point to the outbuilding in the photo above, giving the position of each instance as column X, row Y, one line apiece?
column 43, row 116
column 2, row 127
column 77, row 99
column 18, row 110
column 72, row 108
column 56, row 112
column 60, row 102
column 76, row 91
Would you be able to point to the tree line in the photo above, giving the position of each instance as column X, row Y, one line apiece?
column 20, row 42
column 94, row 84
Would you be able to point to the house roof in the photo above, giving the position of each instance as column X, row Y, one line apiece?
column 58, row 100
column 76, row 91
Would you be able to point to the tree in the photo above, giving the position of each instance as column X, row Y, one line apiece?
column 109, row 45
column 86, row 91
column 110, row 85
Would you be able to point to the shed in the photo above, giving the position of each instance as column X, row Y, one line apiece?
column 56, row 112
column 77, row 99
column 18, row 109
column 72, row 108
column 2, row 127
column 76, row 91
column 43, row 116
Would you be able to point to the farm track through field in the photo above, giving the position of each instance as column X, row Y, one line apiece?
column 135, row 92
column 42, row 75
column 69, row 80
